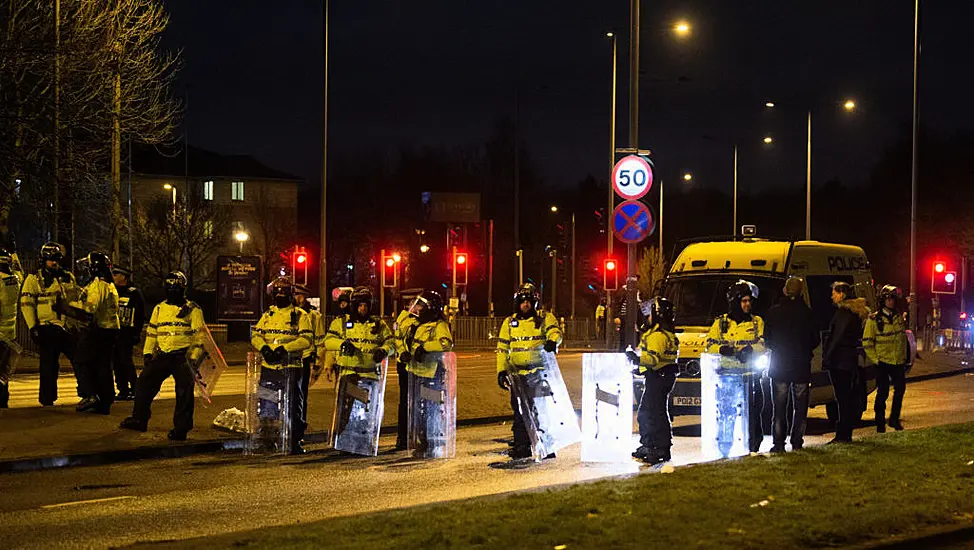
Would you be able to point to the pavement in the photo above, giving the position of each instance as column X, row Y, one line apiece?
column 152, row 501
column 37, row 437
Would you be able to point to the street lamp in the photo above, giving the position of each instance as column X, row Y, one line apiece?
column 424, row 248
column 768, row 140
column 688, row 177
column 170, row 187
column 242, row 237
column 554, row 209
column 849, row 105
column 682, row 29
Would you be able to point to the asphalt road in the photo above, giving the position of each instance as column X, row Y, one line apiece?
column 158, row 500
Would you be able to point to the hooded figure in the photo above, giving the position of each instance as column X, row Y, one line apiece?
column 840, row 356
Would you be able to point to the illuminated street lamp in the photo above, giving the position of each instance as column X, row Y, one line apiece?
column 242, row 237
column 682, row 29
column 688, row 177
column 768, row 140
column 424, row 248
column 849, row 105
column 554, row 208
column 170, row 187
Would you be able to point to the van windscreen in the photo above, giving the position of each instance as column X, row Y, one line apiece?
column 699, row 299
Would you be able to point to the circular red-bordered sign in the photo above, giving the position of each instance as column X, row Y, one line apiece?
column 632, row 221
column 632, row 177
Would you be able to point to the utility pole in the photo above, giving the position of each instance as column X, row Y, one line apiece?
column 57, row 121
column 574, row 268
column 913, row 171
column 323, row 252
column 116, row 155
column 517, row 187
column 629, row 329
column 490, row 269
column 611, row 202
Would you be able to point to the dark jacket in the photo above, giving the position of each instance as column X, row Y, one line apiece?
column 131, row 312
column 841, row 349
column 790, row 334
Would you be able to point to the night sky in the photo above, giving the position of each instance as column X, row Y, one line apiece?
column 440, row 73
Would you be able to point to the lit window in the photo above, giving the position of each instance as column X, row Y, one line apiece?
column 208, row 227
column 208, row 190
column 237, row 190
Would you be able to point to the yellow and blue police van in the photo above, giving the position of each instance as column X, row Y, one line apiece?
column 698, row 280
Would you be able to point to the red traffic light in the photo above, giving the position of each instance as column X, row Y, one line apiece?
column 460, row 268
column 963, row 316
column 939, row 267
column 610, row 275
column 390, row 262
column 302, row 258
column 390, row 272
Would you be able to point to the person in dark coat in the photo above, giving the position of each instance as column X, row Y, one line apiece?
column 840, row 356
column 790, row 334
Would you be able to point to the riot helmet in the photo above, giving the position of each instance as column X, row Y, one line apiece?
column 890, row 292
column 656, row 311
column 736, row 293
column 526, row 293
column 96, row 265
column 427, row 306
column 175, row 285
column 51, row 252
column 281, row 290
column 360, row 296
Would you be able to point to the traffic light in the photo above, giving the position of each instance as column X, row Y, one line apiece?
column 460, row 266
column 390, row 271
column 299, row 265
column 610, row 274
column 943, row 282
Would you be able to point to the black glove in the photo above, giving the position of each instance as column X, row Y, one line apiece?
column 280, row 355
column 550, row 346
column 637, row 371
column 727, row 351
column 146, row 359
column 745, row 354
column 268, row 354
column 378, row 355
column 420, row 354
column 348, row 348
column 405, row 357
column 504, row 381
column 35, row 334
column 633, row 357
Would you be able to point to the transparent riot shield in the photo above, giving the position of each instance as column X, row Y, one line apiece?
column 432, row 431
column 358, row 412
column 207, row 366
column 546, row 408
column 606, row 407
column 10, row 354
column 724, row 408
column 270, row 395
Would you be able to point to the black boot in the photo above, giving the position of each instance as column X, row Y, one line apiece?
column 132, row 423
column 895, row 424
column 641, row 452
column 881, row 424
column 87, row 404
column 176, row 435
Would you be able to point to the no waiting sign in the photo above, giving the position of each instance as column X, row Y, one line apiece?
column 632, row 177
column 632, row 222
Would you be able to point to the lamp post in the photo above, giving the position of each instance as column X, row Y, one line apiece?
column 171, row 187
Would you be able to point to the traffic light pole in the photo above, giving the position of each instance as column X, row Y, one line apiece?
column 629, row 328
column 453, row 290
column 382, row 283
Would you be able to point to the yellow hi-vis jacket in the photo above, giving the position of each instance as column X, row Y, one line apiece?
column 521, row 341
column 173, row 328
column 727, row 332
column 367, row 337
column 404, row 326
column 100, row 299
column 317, row 331
column 37, row 299
column 884, row 338
column 9, row 298
column 289, row 327
column 658, row 348
column 434, row 336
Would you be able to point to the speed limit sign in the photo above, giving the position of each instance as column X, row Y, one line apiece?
column 632, row 177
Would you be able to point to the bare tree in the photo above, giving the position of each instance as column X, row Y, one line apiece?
column 184, row 237
column 275, row 225
column 652, row 270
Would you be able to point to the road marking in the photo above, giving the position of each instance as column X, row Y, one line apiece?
column 92, row 501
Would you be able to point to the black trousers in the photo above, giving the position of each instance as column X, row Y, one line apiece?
column 154, row 373
column 290, row 382
column 93, row 364
column 844, row 386
column 306, row 364
column 403, row 423
column 5, row 372
column 522, row 443
column 654, row 410
column 52, row 342
column 4, row 396
column 798, row 392
column 122, row 365
column 884, row 374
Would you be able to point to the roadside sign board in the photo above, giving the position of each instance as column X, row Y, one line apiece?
column 632, row 221
column 632, row 177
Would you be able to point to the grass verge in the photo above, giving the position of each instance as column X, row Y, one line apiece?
column 899, row 484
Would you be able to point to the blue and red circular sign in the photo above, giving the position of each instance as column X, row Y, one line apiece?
column 632, row 222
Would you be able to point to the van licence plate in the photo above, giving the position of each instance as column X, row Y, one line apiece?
column 683, row 401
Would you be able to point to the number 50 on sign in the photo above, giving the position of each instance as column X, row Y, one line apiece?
column 632, row 177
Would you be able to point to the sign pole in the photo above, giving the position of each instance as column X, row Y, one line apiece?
column 382, row 283
column 453, row 268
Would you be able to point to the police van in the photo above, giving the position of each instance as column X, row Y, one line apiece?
column 698, row 280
